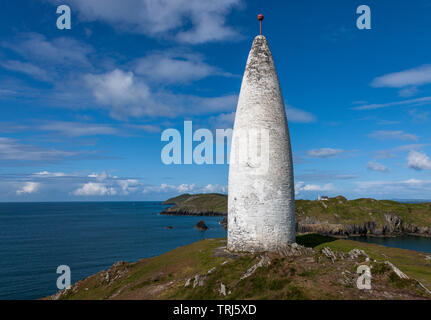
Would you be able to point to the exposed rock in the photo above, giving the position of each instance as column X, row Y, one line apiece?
column 211, row 270
column 399, row 273
column 201, row 226
column 222, row 289
column 329, row 253
column 199, row 281
column 169, row 227
column 295, row 250
column 428, row 258
column 187, row 282
column 356, row 253
column 264, row 261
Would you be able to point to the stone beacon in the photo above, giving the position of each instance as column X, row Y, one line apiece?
column 261, row 196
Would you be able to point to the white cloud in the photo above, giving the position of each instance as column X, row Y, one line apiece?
column 189, row 21
column 392, row 135
column 99, row 176
column 121, row 91
column 29, row 188
column 212, row 188
column 411, row 77
column 50, row 174
column 418, row 160
column 324, row 152
column 300, row 186
column 185, row 188
column 299, row 116
column 128, row 186
column 126, row 95
column 375, row 166
column 95, row 189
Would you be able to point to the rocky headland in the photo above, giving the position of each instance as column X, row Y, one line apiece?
column 336, row 216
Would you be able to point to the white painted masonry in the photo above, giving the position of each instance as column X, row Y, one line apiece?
column 261, row 203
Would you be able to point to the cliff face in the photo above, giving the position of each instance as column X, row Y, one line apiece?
column 337, row 216
column 393, row 226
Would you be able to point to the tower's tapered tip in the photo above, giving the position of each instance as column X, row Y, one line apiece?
column 260, row 17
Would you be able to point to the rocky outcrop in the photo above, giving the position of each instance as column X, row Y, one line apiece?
column 224, row 223
column 201, row 226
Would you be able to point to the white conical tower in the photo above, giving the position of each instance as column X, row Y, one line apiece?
column 261, row 200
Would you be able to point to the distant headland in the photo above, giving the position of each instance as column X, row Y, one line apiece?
column 335, row 216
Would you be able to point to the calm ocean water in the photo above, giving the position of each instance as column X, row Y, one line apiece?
column 35, row 238
column 410, row 243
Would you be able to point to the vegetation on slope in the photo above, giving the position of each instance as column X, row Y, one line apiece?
column 199, row 204
column 204, row 270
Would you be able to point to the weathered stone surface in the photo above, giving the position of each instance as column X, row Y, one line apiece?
column 261, row 215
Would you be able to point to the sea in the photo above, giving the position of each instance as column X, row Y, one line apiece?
column 36, row 238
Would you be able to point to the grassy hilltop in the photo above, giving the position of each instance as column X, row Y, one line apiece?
column 337, row 216
column 324, row 268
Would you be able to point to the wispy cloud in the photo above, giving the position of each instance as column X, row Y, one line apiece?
column 411, row 102
column 376, row 166
column 324, row 152
column 11, row 149
column 406, row 188
column 325, row 176
column 296, row 115
column 176, row 67
column 411, row 77
column 392, row 135
column 26, row 68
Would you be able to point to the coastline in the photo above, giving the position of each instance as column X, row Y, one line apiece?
column 336, row 217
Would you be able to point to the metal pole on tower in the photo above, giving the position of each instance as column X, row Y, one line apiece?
column 260, row 18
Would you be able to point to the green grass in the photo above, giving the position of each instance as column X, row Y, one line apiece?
column 282, row 279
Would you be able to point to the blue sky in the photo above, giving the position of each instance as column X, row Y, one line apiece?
column 82, row 110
